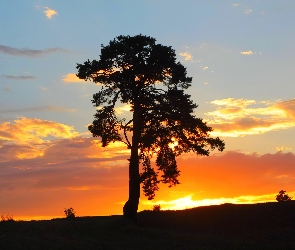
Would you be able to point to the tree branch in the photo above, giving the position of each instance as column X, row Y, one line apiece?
column 116, row 98
column 154, row 90
column 128, row 142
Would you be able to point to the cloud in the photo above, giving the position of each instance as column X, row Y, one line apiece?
column 29, row 52
column 78, row 171
column 71, row 78
column 235, row 117
column 288, row 107
column 26, row 130
column 245, row 8
column 66, row 167
column 37, row 109
column 64, row 175
column 49, row 12
column 32, row 135
column 248, row 52
column 21, row 78
column 187, row 56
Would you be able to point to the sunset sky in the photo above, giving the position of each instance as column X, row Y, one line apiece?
column 240, row 54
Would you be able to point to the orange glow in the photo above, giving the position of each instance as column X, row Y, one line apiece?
column 173, row 144
column 237, row 119
column 62, row 169
column 71, row 78
column 33, row 136
column 49, row 12
column 187, row 201
column 101, row 188
column 187, row 56
column 33, row 153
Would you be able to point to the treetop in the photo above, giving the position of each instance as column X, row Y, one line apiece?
column 137, row 71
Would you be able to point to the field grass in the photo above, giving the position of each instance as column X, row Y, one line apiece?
column 259, row 226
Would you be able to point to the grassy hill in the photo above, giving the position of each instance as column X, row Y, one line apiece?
column 255, row 226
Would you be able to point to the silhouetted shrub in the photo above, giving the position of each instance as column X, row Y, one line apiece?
column 6, row 218
column 69, row 213
column 157, row 208
column 283, row 197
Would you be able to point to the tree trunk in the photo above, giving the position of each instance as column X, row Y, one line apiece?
column 131, row 206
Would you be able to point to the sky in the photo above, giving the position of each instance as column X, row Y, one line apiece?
column 240, row 55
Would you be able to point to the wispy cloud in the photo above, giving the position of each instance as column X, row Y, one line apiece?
column 187, row 56
column 72, row 78
column 248, row 52
column 49, row 12
column 37, row 109
column 30, row 52
column 235, row 117
column 21, row 78
column 244, row 8
column 79, row 167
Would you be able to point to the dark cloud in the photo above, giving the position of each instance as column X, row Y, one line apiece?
column 29, row 52
column 62, row 175
column 21, row 78
column 69, row 171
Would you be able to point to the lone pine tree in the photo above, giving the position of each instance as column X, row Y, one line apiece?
column 145, row 75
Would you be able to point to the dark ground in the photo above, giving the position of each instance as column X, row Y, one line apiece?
column 255, row 226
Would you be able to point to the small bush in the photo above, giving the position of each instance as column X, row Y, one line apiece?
column 157, row 208
column 6, row 218
column 283, row 197
column 69, row 213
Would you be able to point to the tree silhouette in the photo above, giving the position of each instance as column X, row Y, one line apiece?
column 138, row 72
column 157, row 208
column 70, row 213
column 282, row 196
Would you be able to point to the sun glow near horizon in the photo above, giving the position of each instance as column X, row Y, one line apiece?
column 188, row 201
column 182, row 203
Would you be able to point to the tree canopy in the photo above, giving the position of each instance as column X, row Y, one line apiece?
column 282, row 196
column 138, row 72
